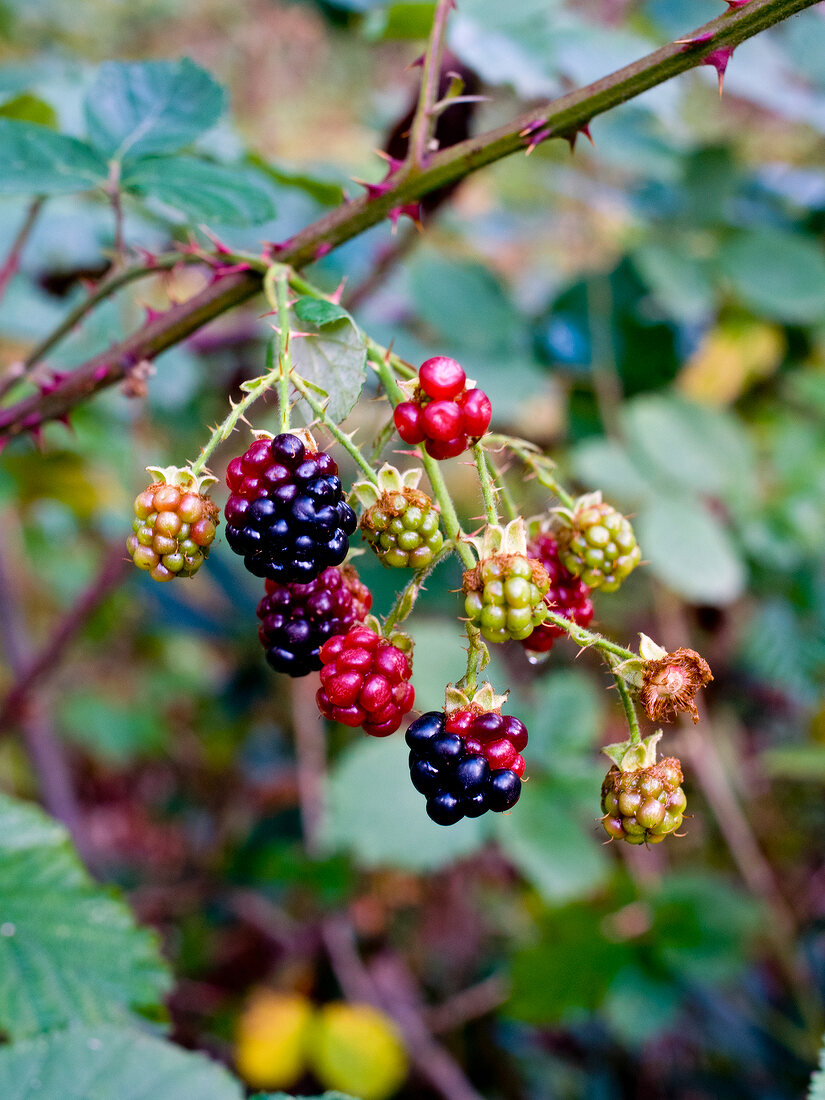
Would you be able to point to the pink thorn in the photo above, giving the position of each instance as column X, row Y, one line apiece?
column 374, row 190
column 272, row 247
column 393, row 162
column 89, row 285
column 149, row 258
column 30, row 422
column 219, row 245
column 418, row 63
column 698, row 40
column 537, row 138
column 100, row 372
column 322, row 250
column 152, row 314
column 339, row 290
column 719, row 59
column 734, row 4
column 220, row 270
column 410, row 210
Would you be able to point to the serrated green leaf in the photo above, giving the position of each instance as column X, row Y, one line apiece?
column 690, row 551
column 777, row 274
column 105, row 1063
column 318, row 312
column 37, row 161
column 69, row 951
column 137, row 108
column 333, row 358
column 203, row 191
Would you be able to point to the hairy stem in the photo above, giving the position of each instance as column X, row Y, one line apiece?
column 12, row 261
column 423, row 124
column 488, row 489
column 629, row 710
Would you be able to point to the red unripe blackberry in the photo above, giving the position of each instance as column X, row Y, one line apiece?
column 568, row 595
column 174, row 525
column 286, row 513
column 365, row 682
column 407, row 418
column 296, row 619
column 477, row 411
column 441, row 378
column 443, row 414
column 497, row 737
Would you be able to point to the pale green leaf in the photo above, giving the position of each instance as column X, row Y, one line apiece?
column 334, row 358
column 202, row 191
column 109, row 1063
column 135, row 108
column 777, row 274
column 36, row 160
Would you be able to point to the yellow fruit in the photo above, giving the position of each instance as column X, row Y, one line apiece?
column 357, row 1049
column 271, row 1039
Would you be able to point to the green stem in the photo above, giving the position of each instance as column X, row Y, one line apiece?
column 539, row 464
column 323, row 416
column 409, row 593
column 281, row 293
column 476, row 653
column 255, row 388
column 588, row 638
column 488, row 489
column 503, row 489
column 629, row 710
column 423, row 123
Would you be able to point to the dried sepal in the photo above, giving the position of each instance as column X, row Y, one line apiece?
column 670, row 683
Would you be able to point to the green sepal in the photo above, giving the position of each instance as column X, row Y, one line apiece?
column 508, row 540
column 629, row 757
column 587, row 500
column 390, row 480
column 183, row 478
column 484, row 698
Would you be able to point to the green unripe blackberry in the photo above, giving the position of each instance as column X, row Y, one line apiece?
column 174, row 525
column 504, row 596
column 598, row 544
column 645, row 805
column 402, row 528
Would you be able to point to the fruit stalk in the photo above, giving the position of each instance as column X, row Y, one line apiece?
column 488, row 489
column 305, row 388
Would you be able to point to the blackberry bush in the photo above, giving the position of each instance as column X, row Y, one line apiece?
column 286, row 514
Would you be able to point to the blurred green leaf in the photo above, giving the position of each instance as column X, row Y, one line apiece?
column 137, row 108
column 639, row 1006
column 606, row 463
column 681, row 283
column 400, row 20
column 38, row 161
column 30, row 108
column 699, row 449
column 115, row 731
column 229, row 195
column 777, row 274
column 803, row 763
column 69, row 952
column 817, row 1089
column 376, row 813
column 549, row 843
column 105, row 1062
column 689, row 550
column 567, row 715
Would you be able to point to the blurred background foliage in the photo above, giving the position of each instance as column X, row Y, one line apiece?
column 652, row 310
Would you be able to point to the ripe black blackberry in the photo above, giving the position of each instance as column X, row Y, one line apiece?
column 455, row 782
column 286, row 514
column 296, row 619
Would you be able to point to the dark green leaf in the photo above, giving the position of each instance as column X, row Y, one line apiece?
column 37, row 161
column 68, row 950
column 135, row 108
column 318, row 312
column 203, row 191
column 105, row 1063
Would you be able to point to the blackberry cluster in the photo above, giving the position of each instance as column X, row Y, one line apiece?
column 444, row 415
column 402, row 528
column 645, row 805
column 365, row 682
column 286, row 513
column 504, row 596
column 567, row 595
column 296, row 619
column 456, row 773
column 600, row 547
column 172, row 531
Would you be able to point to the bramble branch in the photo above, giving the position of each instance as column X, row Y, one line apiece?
column 558, row 118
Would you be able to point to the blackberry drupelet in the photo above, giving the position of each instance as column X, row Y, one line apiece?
column 296, row 619
column 568, row 595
